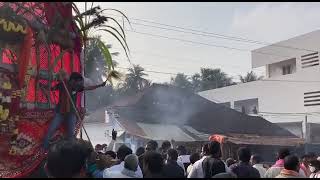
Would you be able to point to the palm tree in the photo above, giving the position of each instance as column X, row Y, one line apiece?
column 214, row 78
column 250, row 76
column 181, row 81
column 92, row 21
column 196, row 82
column 134, row 79
column 95, row 63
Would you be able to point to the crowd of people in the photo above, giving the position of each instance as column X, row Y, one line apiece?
column 77, row 158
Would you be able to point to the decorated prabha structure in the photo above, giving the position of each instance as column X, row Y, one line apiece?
column 37, row 40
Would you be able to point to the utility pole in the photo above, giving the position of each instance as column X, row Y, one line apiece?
column 84, row 71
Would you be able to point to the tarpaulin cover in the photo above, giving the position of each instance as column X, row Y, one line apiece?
column 22, row 133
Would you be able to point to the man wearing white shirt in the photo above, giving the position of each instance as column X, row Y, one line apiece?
column 197, row 171
column 122, row 152
column 197, row 168
column 129, row 170
column 256, row 163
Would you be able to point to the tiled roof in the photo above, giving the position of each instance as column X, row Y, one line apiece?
column 162, row 104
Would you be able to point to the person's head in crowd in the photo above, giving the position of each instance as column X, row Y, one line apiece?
column 111, row 154
column 244, row 154
column 291, row 162
column 76, row 81
column 152, row 145
column 214, row 149
column 225, row 175
column 123, row 151
column 166, row 145
column 205, row 150
column 104, row 161
column 67, row 159
column 314, row 166
column 230, row 161
column 307, row 158
column 194, row 157
column 255, row 159
column 104, row 147
column 140, row 151
column 283, row 152
column 98, row 147
column 313, row 156
column 172, row 155
column 182, row 150
column 153, row 163
column 304, row 159
column 131, row 162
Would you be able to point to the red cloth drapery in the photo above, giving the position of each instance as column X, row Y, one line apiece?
column 24, row 57
column 33, row 123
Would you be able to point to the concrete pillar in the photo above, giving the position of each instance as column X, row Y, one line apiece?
column 267, row 71
column 232, row 104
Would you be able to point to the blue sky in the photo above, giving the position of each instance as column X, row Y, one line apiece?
column 269, row 22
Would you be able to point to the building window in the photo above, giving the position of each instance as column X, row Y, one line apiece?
column 255, row 111
column 286, row 69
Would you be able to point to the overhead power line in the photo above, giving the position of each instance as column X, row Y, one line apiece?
column 209, row 34
column 206, row 44
column 159, row 72
column 225, row 37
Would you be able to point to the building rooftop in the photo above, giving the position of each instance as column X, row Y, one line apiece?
column 161, row 104
column 287, row 49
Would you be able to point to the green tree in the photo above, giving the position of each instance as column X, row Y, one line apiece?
column 250, row 76
column 196, row 82
column 181, row 81
column 135, row 80
column 96, row 66
column 214, row 78
column 93, row 20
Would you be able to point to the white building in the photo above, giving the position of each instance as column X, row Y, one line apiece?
column 291, row 83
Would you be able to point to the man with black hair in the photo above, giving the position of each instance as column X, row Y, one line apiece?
column 193, row 159
column 122, row 152
column 140, row 151
column 210, row 163
column 213, row 165
column 197, row 170
column 243, row 169
column 153, row 164
column 129, row 169
column 291, row 168
column 256, row 163
column 183, row 158
column 152, row 146
column 112, row 154
column 304, row 165
column 275, row 170
column 230, row 161
column 67, row 159
column 166, row 145
column 64, row 109
column 171, row 168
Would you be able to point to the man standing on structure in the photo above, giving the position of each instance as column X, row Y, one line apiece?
column 65, row 110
